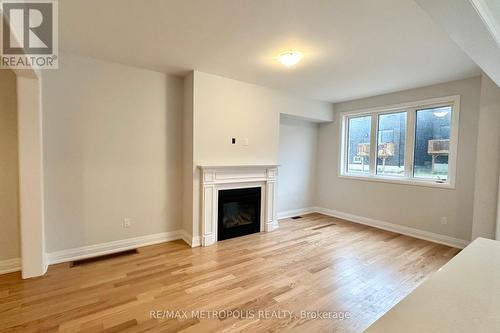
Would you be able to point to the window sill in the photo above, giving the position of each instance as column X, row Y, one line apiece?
column 400, row 181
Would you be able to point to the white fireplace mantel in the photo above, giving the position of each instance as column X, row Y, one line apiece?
column 215, row 178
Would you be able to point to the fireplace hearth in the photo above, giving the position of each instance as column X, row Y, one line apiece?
column 238, row 212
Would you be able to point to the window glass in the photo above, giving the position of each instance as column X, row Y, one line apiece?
column 432, row 143
column 391, row 140
column 358, row 150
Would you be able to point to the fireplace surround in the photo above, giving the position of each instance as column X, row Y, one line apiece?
column 215, row 179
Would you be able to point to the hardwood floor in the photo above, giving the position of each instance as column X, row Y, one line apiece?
column 316, row 263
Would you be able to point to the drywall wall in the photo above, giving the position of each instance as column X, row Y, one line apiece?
column 9, row 168
column 112, row 139
column 487, row 161
column 187, row 164
column 243, row 111
column 298, row 144
column 413, row 206
column 225, row 109
column 31, row 196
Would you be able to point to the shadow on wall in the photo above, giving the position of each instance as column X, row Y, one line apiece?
column 9, row 168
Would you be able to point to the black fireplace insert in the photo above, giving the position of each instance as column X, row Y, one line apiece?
column 239, row 212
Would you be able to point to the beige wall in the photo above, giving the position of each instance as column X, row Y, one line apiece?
column 242, row 110
column 188, row 167
column 9, row 168
column 487, row 161
column 297, row 159
column 413, row 206
column 112, row 149
column 226, row 108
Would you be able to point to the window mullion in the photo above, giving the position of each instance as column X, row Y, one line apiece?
column 410, row 143
column 373, row 144
column 345, row 146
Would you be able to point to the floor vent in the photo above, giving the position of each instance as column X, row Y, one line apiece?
column 296, row 217
column 101, row 258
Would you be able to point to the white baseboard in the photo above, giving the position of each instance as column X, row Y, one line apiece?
column 190, row 240
column 111, row 247
column 95, row 250
column 426, row 235
column 295, row 212
column 196, row 241
column 270, row 226
column 187, row 238
column 10, row 265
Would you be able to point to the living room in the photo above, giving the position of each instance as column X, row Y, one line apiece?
column 251, row 166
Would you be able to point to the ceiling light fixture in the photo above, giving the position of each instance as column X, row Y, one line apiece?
column 289, row 58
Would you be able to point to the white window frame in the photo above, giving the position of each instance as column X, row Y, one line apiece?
column 411, row 109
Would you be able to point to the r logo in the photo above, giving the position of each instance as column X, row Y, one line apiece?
column 27, row 28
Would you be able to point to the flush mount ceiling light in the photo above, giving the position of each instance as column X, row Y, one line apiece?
column 289, row 58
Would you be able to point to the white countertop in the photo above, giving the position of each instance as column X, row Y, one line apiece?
column 463, row 296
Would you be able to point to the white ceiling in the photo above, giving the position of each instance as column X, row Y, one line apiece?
column 489, row 10
column 494, row 8
column 473, row 25
column 352, row 48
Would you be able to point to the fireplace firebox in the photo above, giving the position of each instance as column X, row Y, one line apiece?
column 239, row 212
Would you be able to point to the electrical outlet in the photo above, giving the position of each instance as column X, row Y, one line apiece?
column 127, row 222
column 444, row 220
column 245, row 142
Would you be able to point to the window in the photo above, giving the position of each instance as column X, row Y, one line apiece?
column 432, row 143
column 359, row 144
column 415, row 143
column 391, row 144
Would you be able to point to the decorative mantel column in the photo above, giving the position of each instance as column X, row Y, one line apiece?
column 215, row 178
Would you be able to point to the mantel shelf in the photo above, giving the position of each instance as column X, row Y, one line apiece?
column 229, row 166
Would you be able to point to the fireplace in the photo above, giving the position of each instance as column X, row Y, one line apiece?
column 258, row 180
column 238, row 212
